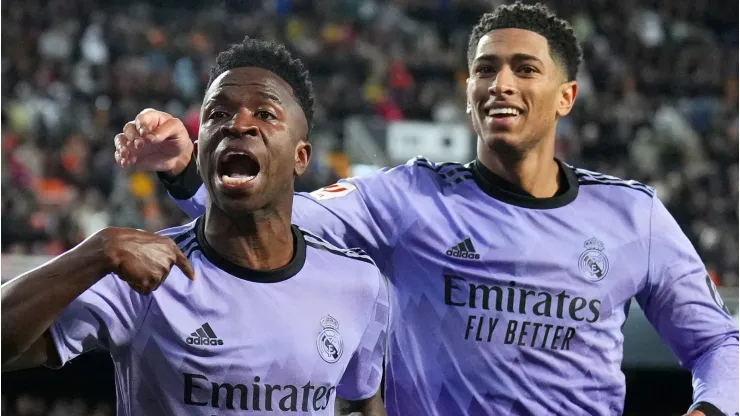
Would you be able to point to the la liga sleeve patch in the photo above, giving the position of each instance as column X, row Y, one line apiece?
column 333, row 191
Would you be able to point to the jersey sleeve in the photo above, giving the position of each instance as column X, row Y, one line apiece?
column 187, row 190
column 105, row 316
column 682, row 303
column 370, row 212
column 361, row 379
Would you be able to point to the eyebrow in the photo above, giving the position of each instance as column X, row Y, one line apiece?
column 230, row 96
column 516, row 57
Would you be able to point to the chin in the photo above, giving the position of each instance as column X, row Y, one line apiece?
column 503, row 144
column 240, row 206
column 232, row 201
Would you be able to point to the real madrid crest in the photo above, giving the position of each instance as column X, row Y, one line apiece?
column 329, row 342
column 593, row 263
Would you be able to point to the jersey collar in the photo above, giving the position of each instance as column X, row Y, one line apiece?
column 504, row 191
column 259, row 276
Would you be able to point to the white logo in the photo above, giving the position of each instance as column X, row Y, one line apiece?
column 593, row 263
column 333, row 191
column 329, row 342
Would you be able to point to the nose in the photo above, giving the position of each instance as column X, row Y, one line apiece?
column 241, row 124
column 503, row 83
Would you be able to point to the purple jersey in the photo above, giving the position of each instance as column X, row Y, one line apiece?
column 237, row 340
column 502, row 303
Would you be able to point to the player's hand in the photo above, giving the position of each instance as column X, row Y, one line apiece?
column 154, row 141
column 695, row 413
column 140, row 258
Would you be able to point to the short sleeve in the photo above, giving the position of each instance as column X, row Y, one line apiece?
column 361, row 379
column 105, row 316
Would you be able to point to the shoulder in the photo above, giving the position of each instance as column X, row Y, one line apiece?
column 600, row 182
column 627, row 204
column 441, row 174
column 180, row 230
column 184, row 237
column 417, row 175
column 355, row 255
column 353, row 262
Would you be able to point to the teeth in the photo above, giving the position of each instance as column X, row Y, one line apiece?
column 506, row 110
column 239, row 180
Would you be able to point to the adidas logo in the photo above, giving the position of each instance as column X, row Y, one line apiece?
column 463, row 250
column 204, row 336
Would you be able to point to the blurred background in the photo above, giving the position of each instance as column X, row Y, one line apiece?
column 658, row 102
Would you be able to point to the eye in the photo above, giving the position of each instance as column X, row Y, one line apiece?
column 265, row 115
column 485, row 69
column 528, row 69
column 218, row 115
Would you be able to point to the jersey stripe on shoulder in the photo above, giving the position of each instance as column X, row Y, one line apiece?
column 587, row 177
column 184, row 237
column 317, row 242
column 450, row 172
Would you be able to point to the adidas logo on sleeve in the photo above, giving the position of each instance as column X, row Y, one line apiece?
column 463, row 250
column 204, row 336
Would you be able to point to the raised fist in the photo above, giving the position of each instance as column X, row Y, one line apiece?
column 154, row 141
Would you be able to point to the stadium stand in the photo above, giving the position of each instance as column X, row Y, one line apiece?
column 658, row 102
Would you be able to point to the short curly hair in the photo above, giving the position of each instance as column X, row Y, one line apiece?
column 274, row 57
column 536, row 18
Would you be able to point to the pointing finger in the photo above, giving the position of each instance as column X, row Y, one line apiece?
column 184, row 265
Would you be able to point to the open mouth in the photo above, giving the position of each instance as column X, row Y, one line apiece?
column 237, row 168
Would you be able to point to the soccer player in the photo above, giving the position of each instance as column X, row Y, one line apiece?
column 277, row 321
column 510, row 276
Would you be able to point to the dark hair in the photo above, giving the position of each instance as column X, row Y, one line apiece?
column 273, row 57
column 536, row 18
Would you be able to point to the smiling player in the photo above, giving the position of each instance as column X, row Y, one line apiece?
column 511, row 276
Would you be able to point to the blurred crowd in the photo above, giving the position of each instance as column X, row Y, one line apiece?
column 28, row 405
column 658, row 98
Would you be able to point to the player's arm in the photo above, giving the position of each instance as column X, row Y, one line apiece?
column 157, row 142
column 367, row 407
column 360, row 383
column 682, row 303
column 65, row 306
column 368, row 213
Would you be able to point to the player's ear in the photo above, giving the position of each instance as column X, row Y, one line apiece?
column 195, row 154
column 567, row 98
column 302, row 157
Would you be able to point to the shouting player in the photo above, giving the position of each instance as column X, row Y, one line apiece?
column 278, row 320
column 511, row 276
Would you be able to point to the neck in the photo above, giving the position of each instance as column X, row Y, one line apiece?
column 534, row 171
column 261, row 240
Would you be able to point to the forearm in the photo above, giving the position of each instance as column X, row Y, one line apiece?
column 32, row 301
column 373, row 406
column 367, row 407
column 715, row 377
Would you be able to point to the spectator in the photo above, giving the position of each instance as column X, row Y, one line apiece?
column 658, row 99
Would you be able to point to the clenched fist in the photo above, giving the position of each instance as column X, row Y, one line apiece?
column 140, row 258
column 154, row 141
